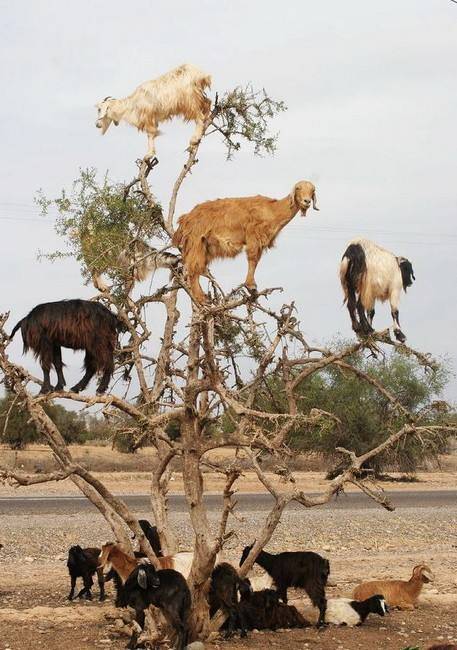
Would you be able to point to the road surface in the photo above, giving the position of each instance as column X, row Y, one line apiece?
column 246, row 502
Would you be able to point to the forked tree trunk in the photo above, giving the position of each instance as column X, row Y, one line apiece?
column 204, row 551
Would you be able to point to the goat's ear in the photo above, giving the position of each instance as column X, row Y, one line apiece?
column 315, row 201
column 142, row 579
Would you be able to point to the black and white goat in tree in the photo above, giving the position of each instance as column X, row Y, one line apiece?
column 369, row 273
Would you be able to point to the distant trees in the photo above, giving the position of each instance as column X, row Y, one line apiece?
column 17, row 430
column 364, row 416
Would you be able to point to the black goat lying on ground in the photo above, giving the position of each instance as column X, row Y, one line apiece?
column 83, row 563
column 166, row 589
column 302, row 569
column 262, row 610
column 223, row 594
column 75, row 324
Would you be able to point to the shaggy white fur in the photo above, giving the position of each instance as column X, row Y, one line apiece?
column 180, row 92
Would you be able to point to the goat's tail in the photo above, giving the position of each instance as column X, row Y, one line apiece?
column 353, row 268
column 15, row 328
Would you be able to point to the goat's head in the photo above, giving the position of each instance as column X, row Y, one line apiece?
column 303, row 194
column 147, row 578
column 423, row 572
column 378, row 605
column 245, row 588
column 407, row 273
column 104, row 118
column 245, row 553
column 271, row 598
column 104, row 557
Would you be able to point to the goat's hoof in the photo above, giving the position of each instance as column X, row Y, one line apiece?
column 76, row 389
column 45, row 390
column 399, row 336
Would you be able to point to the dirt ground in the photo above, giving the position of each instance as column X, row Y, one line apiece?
column 361, row 544
column 54, row 622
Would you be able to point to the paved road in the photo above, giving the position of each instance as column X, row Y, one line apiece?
column 246, row 502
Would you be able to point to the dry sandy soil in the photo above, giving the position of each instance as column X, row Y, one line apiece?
column 361, row 544
column 129, row 474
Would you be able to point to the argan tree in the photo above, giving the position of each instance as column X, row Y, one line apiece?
column 209, row 385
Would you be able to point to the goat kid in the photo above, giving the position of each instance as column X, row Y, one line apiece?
column 369, row 273
column 262, row 610
column 344, row 611
column 166, row 589
column 74, row 324
column 222, row 228
column 302, row 569
column 83, row 563
column 180, row 92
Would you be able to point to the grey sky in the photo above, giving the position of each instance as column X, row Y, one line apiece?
column 371, row 90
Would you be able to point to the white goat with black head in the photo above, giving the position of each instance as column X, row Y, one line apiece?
column 369, row 273
column 180, row 92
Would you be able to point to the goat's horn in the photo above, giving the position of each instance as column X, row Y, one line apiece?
column 315, row 202
column 108, row 97
column 142, row 579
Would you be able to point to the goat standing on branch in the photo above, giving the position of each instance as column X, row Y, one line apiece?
column 222, row 228
column 75, row 324
column 180, row 92
column 369, row 273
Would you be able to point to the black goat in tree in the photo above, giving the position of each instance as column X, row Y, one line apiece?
column 75, row 324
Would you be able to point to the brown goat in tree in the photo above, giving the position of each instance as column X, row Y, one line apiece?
column 75, row 324
column 222, row 228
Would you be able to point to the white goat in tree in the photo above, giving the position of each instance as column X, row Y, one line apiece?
column 180, row 92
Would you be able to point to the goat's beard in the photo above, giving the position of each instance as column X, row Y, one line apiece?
column 103, row 125
column 303, row 211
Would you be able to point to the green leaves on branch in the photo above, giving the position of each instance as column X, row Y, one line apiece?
column 244, row 114
column 99, row 222
column 366, row 416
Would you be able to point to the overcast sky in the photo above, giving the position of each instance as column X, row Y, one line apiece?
column 372, row 112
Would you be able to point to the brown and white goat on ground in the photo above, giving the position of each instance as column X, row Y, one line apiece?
column 222, row 228
column 397, row 593
column 112, row 556
column 180, row 92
